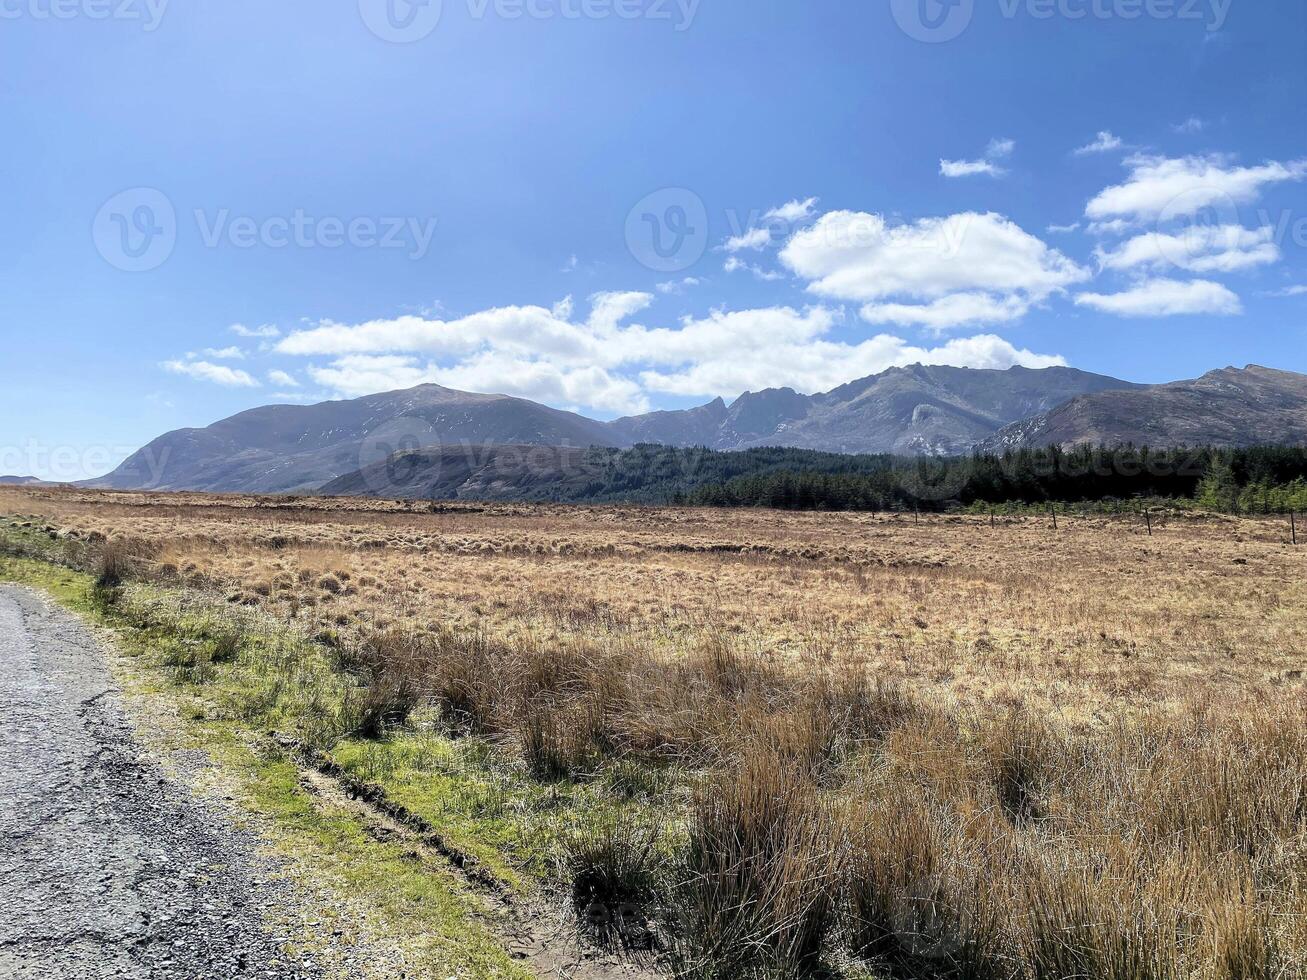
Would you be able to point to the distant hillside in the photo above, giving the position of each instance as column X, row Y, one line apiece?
column 643, row 474
column 291, row 448
column 19, row 481
column 286, row 448
column 918, row 410
column 474, row 473
column 1228, row 408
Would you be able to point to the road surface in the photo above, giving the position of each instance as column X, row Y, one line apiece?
column 107, row 867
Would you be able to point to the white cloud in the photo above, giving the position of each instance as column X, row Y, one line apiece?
column 1063, row 229
column 1104, row 142
column 570, row 265
column 998, row 149
column 857, row 256
column 1117, row 226
column 795, row 212
column 222, row 354
column 217, row 373
column 676, row 287
column 970, row 168
column 734, row 264
column 608, row 364
column 282, row 379
column 366, row 374
column 1289, row 291
column 1166, row 297
column 1191, row 125
column 948, row 311
column 267, row 331
column 1202, row 249
column 775, row 226
column 591, row 386
column 752, row 240
column 1178, row 188
column 607, row 310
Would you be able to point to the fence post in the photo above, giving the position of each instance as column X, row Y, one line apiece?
column 1293, row 528
column 1052, row 509
column 1148, row 517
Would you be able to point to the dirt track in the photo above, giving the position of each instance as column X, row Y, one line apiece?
column 109, row 868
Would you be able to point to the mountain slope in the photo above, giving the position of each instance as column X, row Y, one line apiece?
column 473, row 473
column 1231, row 407
column 934, row 411
column 911, row 410
column 283, row 448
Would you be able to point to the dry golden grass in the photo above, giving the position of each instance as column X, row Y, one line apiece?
column 945, row 747
column 1084, row 622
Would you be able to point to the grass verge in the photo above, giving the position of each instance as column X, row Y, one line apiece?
column 425, row 918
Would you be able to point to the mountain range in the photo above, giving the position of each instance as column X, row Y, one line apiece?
column 916, row 410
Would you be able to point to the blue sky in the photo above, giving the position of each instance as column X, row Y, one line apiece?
column 215, row 206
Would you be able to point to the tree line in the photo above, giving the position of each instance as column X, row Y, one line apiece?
column 1268, row 479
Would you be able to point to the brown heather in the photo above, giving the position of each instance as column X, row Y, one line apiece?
column 941, row 749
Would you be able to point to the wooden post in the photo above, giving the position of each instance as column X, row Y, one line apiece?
column 1293, row 528
column 991, row 518
column 1052, row 509
column 916, row 515
column 1148, row 517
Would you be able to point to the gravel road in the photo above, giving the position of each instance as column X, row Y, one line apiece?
column 107, row 867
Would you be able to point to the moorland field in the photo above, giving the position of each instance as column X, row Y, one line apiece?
column 786, row 744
